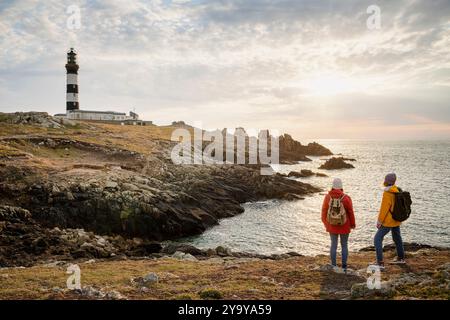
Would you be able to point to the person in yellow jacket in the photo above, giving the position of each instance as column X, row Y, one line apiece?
column 387, row 223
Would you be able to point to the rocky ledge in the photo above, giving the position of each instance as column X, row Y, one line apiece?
column 114, row 181
column 292, row 151
column 125, row 199
column 305, row 173
column 25, row 242
column 221, row 276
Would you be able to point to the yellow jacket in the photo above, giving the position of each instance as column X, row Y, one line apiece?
column 387, row 205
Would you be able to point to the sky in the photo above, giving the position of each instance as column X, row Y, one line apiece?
column 313, row 68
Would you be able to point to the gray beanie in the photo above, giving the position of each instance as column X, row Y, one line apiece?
column 337, row 184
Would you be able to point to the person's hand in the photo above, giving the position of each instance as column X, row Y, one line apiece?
column 378, row 224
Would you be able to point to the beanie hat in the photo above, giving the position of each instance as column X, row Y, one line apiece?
column 337, row 184
column 390, row 179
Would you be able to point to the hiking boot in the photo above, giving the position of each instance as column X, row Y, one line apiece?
column 397, row 260
column 380, row 265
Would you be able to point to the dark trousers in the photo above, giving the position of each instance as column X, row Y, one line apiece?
column 396, row 236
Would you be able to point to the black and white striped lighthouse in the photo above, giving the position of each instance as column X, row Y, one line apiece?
column 72, row 81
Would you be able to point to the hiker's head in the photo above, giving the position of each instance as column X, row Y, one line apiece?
column 390, row 179
column 337, row 184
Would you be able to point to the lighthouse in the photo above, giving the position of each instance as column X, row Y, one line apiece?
column 72, row 82
column 73, row 111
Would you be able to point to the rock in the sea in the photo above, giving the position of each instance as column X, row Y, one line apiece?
column 292, row 151
column 335, row 163
column 304, row 173
column 319, row 174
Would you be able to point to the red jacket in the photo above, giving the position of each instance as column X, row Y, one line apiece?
column 347, row 202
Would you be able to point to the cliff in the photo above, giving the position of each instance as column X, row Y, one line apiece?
column 119, row 180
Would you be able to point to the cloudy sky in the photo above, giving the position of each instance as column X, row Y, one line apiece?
column 309, row 67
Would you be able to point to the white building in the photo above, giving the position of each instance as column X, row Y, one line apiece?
column 99, row 115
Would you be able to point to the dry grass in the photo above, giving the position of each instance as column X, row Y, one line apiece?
column 263, row 279
column 134, row 138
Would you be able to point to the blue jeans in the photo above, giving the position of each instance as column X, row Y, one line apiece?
column 396, row 236
column 344, row 248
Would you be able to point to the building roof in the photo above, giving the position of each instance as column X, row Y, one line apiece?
column 99, row 112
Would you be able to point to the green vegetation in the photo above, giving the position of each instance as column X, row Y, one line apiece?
column 210, row 294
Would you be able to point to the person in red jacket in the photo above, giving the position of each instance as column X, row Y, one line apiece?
column 336, row 231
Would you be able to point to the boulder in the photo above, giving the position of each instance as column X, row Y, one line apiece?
column 223, row 252
column 304, row 173
column 150, row 278
column 184, row 256
column 91, row 292
column 361, row 290
column 185, row 248
column 335, row 164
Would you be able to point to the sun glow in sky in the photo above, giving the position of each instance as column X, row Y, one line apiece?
column 332, row 84
column 308, row 67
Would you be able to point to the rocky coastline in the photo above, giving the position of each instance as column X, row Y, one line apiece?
column 106, row 198
column 63, row 181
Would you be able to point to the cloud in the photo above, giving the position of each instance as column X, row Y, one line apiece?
column 234, row 62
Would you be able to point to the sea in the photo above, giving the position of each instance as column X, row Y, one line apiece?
column 278, row 226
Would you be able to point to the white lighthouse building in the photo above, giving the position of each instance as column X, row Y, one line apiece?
column 73, row 111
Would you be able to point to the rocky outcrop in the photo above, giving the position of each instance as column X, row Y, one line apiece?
column 421, row 282
column 41, row 119
column 24, row 242
column 292, row 151
column 79, row 193
column 408, row 246
column 335, row 164
column 123, row 192
column 304, row 173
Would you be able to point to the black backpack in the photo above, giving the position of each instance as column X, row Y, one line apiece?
column 402, row 206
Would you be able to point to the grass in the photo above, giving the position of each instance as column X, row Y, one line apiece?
column 288, row 279
column 4, row 117
column 210, row 294
column 134, row 138
column 8, row 151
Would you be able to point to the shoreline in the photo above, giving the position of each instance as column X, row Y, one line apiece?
column 93, row 190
